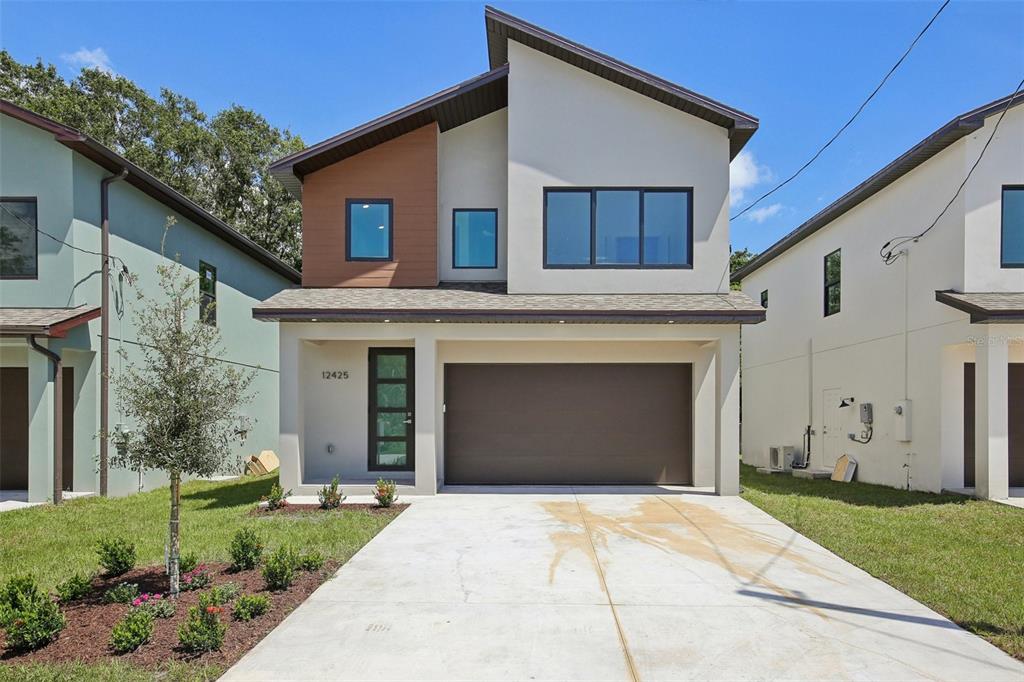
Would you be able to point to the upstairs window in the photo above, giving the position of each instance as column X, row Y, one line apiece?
column 208, row 293
column 475, row 238
column 618, row 228
column 19, row 242
column 764, row 299
column 368, row 229
column 833, row 271
column 1013, row 227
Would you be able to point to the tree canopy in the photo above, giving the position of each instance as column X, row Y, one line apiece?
column 220, row 162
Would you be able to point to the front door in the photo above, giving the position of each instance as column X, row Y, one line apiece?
column 832, row 426
column 392, row 409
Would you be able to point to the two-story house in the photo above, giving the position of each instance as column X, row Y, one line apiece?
column 522, row 279
column 912, row 364
column 56, row 187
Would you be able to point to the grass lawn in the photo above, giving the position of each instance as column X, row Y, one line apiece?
column 961, row 557
column 52, row 543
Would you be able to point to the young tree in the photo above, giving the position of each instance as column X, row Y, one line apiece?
column 182, row 398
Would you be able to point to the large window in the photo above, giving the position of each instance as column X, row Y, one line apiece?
column 618, row 228
column 368, row 229
column 18, row 238
column 1013, row 227
column 475, row 238
column 833, row 271
column 208, row 293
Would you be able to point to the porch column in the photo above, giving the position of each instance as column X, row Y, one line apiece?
column 290, row 421
column 991, row 414
column 40, row 427
column 426, row 413
column 727, row 391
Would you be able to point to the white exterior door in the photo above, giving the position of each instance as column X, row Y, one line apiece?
column 832, row 427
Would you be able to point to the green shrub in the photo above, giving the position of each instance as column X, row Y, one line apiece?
column 132, row 631
column 279, row 568
column 17, row 594
column 196, row 579
column 121, row 593
column 276, row 498
column 249, row 606
column 188, row 562
column 331, row 496
column 311, row 561
column 75, row 587
column 385, row 492
column 246, row 549
column 223, row 594
column 34, row 625
column 117, row 555
column 202, row 631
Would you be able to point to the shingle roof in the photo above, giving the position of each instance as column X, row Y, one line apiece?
column 988, row 307
column 959, row 127
column 44, row 321
column 491, row 302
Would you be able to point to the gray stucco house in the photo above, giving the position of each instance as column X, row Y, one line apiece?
column 51, row 179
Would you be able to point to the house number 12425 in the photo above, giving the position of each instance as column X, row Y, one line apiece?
column 335, row 374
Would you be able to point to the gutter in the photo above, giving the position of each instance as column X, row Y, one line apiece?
column 105, row 325
column 58, row 416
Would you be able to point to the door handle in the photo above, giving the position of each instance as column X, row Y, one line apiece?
column 408, row 421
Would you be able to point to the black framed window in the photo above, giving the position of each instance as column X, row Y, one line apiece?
column 208, row 293
column 764, row 299
column 19, row 238
column 618, row 227
column 1012, row 238
column 368, row 229
column 475, row 238
column 833, row 280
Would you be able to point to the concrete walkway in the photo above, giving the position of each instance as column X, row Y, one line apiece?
column 593, row 584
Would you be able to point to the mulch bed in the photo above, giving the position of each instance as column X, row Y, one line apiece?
column 89, row 621
column 306, row 508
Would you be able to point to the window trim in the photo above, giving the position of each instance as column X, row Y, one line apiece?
column 593, row 265
column 455, row 265
column 348, row 231
column 834, row 283
column 764, row 299
column 202, row 294
column 410, row 408
column 35, row 276
column 1003, row 265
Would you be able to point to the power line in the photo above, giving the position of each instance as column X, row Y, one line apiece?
column 846, row 125
column 43, row 232
column 890, row 252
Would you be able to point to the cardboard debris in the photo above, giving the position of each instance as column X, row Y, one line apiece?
column 263, row 463
column 846, row 466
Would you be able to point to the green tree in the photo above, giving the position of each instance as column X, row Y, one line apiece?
column 182, row 398
column 737, row 259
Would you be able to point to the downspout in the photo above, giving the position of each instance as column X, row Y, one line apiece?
column 58, row 416
column 105, row 324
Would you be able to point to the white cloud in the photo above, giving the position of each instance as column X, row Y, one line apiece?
column 90, row 59
column 744, row 174
column 759, row 215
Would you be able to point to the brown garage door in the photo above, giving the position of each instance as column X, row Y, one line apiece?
column 568, row 423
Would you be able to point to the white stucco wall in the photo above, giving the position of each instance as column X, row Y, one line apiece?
column 567, row 127
column 472, row 172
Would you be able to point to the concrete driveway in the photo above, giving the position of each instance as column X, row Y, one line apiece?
column 592, row 584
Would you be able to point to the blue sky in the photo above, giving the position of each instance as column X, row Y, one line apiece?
column 801, row 67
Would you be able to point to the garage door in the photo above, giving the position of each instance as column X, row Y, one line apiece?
column 568, row 423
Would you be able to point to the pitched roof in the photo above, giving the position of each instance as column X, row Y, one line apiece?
column 959, row 127
column 53, row 322
column 491, row 302
column 988, row 307
column 143, row 181
column 502, row 27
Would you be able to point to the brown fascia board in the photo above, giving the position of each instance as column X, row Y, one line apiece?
column 149, row 185
column 449, row 108
column 502, row 27
column 510, row 316
column 979, row 315
column 56, row 330
column 959, row 127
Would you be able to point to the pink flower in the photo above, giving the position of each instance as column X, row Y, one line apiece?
column 136, row 601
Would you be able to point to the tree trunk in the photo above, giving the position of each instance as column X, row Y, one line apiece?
column 174, row 553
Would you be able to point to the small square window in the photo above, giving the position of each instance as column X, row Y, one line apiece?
column 18, row 239
column 764, row 299
column 1013, row 227
column 368, row 229
column 475, row 238
column 208, row 293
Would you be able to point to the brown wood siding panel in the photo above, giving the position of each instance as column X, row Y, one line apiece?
column 404, row 170
column 616, row 423
column 13, row 428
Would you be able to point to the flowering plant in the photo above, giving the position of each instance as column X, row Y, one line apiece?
column 145, row 597
column 196, row 579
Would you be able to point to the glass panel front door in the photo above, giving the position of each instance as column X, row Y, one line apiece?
column 391, row 409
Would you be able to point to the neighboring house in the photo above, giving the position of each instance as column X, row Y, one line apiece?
column 50, row 290
column 522, row 279
column 934, row 342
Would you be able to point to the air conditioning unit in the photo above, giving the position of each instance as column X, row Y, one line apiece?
column 780, row 457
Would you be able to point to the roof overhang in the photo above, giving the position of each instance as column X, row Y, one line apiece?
column 502, row 27
column 988, row 307
column 49, row 322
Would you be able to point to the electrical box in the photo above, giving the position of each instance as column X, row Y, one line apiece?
column 901, row 421
column 866, row 413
